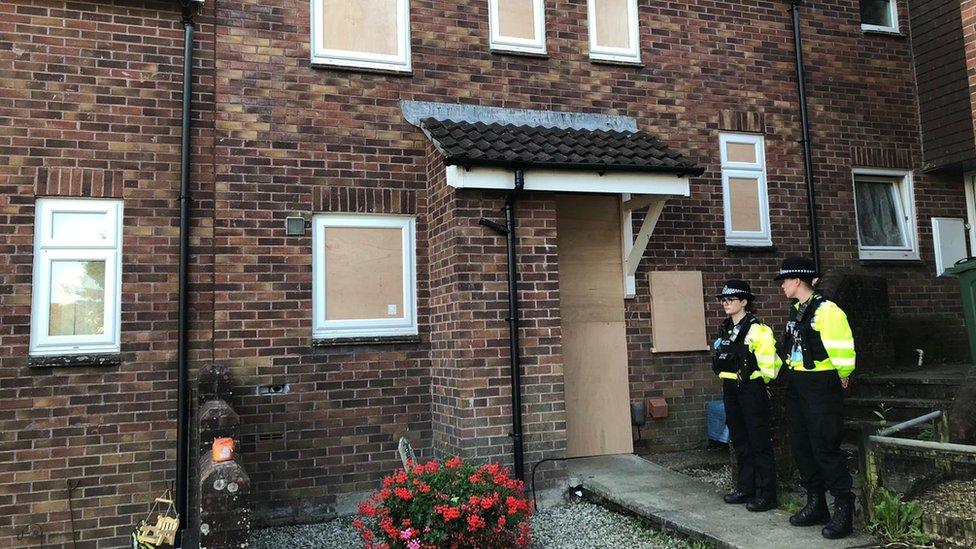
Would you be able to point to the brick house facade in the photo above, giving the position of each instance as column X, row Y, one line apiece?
column 89, row 107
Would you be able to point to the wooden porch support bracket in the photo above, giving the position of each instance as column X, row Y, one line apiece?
column 633, row 248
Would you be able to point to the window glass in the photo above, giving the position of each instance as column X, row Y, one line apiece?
column 879, row 218
column 77, row 298
column 876, row 12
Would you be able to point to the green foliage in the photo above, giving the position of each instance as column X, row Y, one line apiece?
column 926, row 434
column 897, row 521
column 882, row 412
column 791, row 504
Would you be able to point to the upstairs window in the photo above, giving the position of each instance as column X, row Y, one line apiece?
column 366, row 34
column 517, row 26
column 364, row 276
column 614, row 31
column 884, row 208
column 77, row 277
column 879, row 15
column 744, row 192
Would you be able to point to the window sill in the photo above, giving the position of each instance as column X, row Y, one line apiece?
column 533, row 54
column 54, row 361
column 731, row 248
column 379, row 340
column 637, row 64
column 389, row 71
column 891, row 262
column 882, row 31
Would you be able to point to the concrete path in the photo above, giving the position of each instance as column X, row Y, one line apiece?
column 681, row 503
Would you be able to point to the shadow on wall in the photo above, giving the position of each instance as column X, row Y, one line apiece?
column 885, row 343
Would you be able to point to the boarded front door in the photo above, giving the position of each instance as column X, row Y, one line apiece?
column 591, row 303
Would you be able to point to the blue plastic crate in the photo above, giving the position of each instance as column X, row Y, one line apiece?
column 715, row 417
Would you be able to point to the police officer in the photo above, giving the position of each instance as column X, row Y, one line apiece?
column 818, row 348
column 745, row 359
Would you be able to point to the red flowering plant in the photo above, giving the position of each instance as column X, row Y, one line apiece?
column 449, row 505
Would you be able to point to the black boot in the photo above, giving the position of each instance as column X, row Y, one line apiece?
column 762, row 503
column 842, row 522
column 736, row 496
column 815, row 512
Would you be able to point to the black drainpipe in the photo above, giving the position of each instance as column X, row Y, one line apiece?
column 805, row 122
column 513, row 320
column 183, row 390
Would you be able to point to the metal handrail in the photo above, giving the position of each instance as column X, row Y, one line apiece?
column 910, row 423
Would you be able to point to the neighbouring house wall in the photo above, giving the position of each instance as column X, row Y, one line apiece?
column 90, row 106
column 945, row 104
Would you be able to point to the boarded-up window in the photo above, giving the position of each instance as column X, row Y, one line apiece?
column 613, row 26
column 369, row 34
column 745, row 198
column 518, row 25
column 76, row 293
column 677, row 311
column 364, row 276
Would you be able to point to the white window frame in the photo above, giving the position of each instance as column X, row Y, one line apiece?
column 905, row 192
column 48, row 249
column 748, row 170
column 631, row 55
column 406, row 324
column 892, row 12
column 515, row 44
column 400, row 62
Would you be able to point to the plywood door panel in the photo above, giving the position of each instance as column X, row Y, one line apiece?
column 594, row 340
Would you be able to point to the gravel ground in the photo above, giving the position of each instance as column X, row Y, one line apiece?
column 572, row 526
column 953, row 499
column 717, row 476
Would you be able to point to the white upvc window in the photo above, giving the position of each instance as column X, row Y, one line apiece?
column 364, row 270
column 884, row 207
column 614, row 32
column 77, row 284
column 744, row 192
column 879, row 15
column 517, row 26
column 366, row 34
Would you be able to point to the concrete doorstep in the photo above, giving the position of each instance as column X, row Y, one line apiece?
column 680, row 503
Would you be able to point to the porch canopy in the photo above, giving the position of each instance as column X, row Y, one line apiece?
column 482, row 155
column 559, row 152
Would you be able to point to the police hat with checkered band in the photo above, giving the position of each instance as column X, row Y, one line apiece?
column 736, row 288
column 798, row 267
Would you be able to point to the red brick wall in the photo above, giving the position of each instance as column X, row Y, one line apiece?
column 294, row 140
column 90, row 106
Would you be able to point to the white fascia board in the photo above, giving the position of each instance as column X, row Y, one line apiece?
column 570, row 181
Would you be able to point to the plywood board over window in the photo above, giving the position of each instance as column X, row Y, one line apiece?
column 677, row 311
column 745, row 194
column 613, row 30
column 368, row 34
column 363, row 276
column 517, row 26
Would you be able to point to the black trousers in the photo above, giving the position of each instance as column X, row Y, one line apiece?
column 815, row 404
column 747, row 415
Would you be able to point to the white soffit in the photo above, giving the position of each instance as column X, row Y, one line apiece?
column 570, row 181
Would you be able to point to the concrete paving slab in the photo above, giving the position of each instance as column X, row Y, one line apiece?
column 681, row 503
